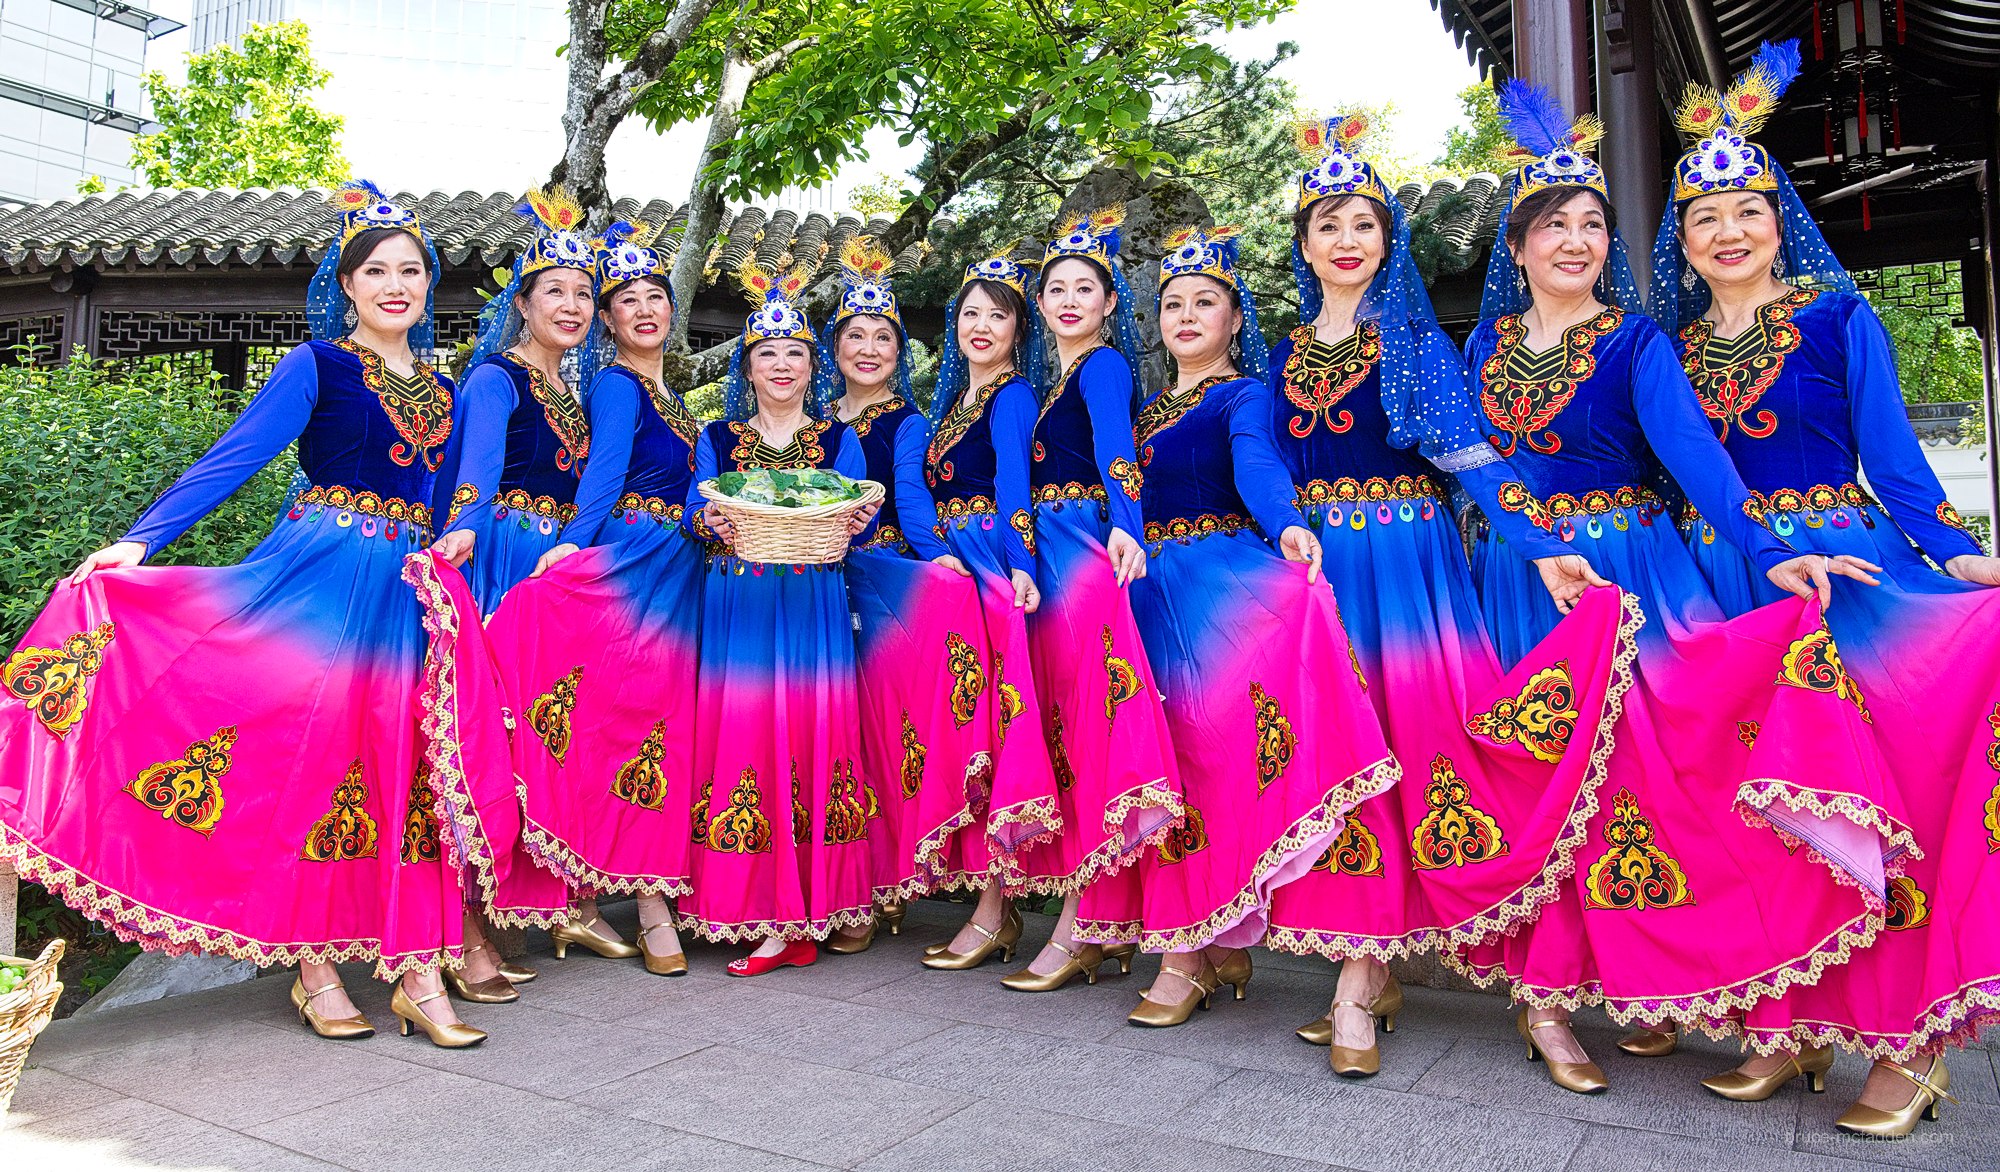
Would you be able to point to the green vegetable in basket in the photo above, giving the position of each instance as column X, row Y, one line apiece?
column 11, row 977
column 787, row 488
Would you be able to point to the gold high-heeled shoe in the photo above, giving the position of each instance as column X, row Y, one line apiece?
column 1646, row 1043
column 516, row 972
column 1359, row 1062
column 1002, row 942
column 890, row 912
column 1123, row 954
column 1811, row 1064
column 1585, row 1078
column 849, row 945
column 605, row 944
column 494, row 990
column 1387, row 1004
column 1932, row 1086
column 1084, row 962
column 1235, row 973
column 662, row 964
column 453, row 1036
column 1163, row 1014
column 335, row 1029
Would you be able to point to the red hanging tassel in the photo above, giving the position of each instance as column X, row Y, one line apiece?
column 1901, row 26
column 1896, row 123
column 1864, row 212
column 1819, row 36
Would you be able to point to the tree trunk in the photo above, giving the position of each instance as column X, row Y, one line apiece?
column 704, row 200
column 596, row 103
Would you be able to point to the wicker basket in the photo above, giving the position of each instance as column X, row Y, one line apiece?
column 810, row 536
column 23, row 1014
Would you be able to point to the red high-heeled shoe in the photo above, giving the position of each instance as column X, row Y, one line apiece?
column 797, row 954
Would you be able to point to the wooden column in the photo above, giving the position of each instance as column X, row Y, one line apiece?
column 1629, row 103
column 1552, row 49
column 10, row 894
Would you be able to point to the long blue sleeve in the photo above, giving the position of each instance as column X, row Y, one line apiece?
column 1891, row 456
column 272, row 420
column 486, row 401
column 916, row 512
column 614, row 420
column 1106, row 383
column 1262, row 479
column 1681, row 437
column 705, row 469
column 1014, row 413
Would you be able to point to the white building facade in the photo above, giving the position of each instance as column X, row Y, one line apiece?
column 70, row 100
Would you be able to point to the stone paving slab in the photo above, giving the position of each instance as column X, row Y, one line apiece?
column 872, row 1062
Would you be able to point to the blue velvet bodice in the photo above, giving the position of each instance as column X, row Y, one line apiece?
column 1210, row 463
column 360, row 430
column 1599, row 413
column 1330, row 423
column 978, row 462
column 894, row 438
column 1083, row 439
column 516, row 433
column 1808, row 398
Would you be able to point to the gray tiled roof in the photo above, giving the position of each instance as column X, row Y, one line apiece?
column 223, row 226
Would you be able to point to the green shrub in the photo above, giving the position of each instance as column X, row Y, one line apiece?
column 84, row 449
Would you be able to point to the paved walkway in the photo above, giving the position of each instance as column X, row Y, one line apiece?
column 872, row 1062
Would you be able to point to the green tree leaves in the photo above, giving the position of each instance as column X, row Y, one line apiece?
column 244, row 119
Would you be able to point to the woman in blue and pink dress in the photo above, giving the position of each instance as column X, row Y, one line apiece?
column 1106, row 729
column 926, row 720
column 597, row 649
column 228, row 760
column 783, row 809
column 983, row 422
column 1274, row 737
column 521, row 434
column 1375, row 423
column 1684, row 904
column 1800, row 384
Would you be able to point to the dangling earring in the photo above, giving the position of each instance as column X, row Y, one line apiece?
column 424, row 318
column 1520, row 278
column 350, row 317
column 1687, row 279
column 1778, row 265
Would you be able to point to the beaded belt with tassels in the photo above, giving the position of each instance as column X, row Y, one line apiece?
column 392, row 516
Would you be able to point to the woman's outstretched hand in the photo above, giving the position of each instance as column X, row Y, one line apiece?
column 1567, row 576
column 1128, row 557
column 454, row 547
column 1298, row 544
column 1812, row 574
column 115, row 556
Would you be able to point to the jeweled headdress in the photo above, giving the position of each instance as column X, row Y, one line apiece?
column 361, row 207
column 1094, row 236
column 557, row 242
column 775, row 317
column 1002, row 268
column 864, row 276
column 1555, row 150
column 1333, row 146
column 1722, row 157
column 625, row 253
column 1211, row 252
column 557, row 245
column 1724, row 160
